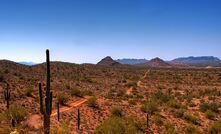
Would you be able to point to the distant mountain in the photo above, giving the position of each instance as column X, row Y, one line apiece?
column 203, row 61
column 157, row 62
column 108, row 61
column 27, row 63
column 132, row 61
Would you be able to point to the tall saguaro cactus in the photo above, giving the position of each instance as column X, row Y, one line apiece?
column 147, row 123
column 46, row 110
column 7, row 95
column 58, row 111
column 78, row 119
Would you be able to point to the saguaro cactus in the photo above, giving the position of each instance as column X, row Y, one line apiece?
column 7, row 95
column 78, row 119
column 58, row 112
column 147, row 123
column 46, row 110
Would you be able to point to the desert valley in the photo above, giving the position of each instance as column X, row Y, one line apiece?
column 110, row 98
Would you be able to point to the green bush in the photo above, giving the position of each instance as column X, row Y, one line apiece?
column 215, row 128
column 92, row 102
column 192, row 130
column 192, row 119
column 170, row 129
column 179, row 113
column 15, row 112
column 116, row 111
column 87, row 93
column 76, row 92
column 117, row 125
column 161, row 97
column 174, row 104
column 62, row 98
column 210, row 115
column 158, row 120
column 212, row 106
column 150, row 107
column 191, row 104
column 135, row 126
column 113, row 125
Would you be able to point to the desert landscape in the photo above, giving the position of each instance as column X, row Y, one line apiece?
column 110, row 67
column 111, row 98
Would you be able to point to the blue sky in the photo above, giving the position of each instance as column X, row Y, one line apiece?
column 84, row 31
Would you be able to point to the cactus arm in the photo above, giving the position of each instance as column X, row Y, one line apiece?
column 41, row 99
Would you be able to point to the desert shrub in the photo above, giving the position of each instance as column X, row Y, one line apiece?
column 158, row 120
column 92, row 102
column 6, row 71
column 29, row 91
column 192, row 119
column 139, row 96
column 209, row 92
column 116, row 111
column 135, row 126
column 192, row 104
column 1, row 77
column 87, row 93
column 170, row 129
column 76, row 92
column 210, row 115
column 179, row 113
column 60, row 129
column 87, row 79
column 62, row 98
column 68, row 87
column 150, row 107
column 132, row 84
column 117, row 125
column 174, row 104
column 211, row 98
column 113, row 125
column 215, row 128
column 192, row 130
column 212, row 106
column 15, row 112
column 161, row 97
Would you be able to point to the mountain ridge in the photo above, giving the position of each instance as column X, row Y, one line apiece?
column 201, row 61
column 191, row 61
column 131, row 61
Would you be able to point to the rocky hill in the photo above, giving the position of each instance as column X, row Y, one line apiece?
column 108, row 61
column 157, row 62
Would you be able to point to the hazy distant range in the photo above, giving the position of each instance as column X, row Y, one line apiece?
column 202, row 61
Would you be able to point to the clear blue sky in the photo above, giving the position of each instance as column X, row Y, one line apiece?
column 83, row 31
